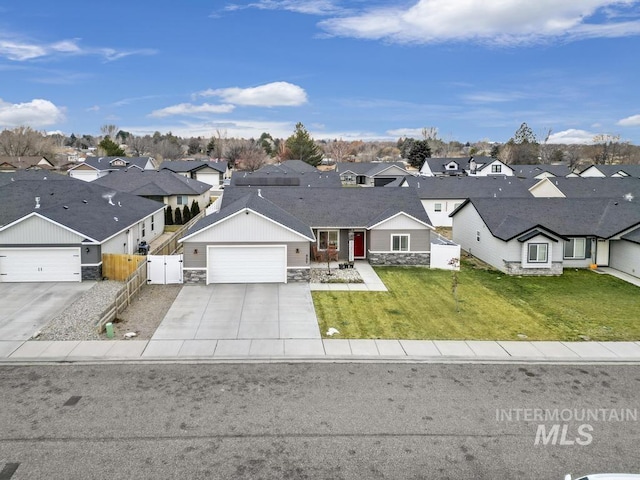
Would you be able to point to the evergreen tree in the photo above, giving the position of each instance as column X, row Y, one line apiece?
column 420, row 151
column 495, row 151
column 178, row 220
column 195, row 209
column 302, row 147
column 186, row 214
column 111, row 148
column 168, row 216
column 211, row 147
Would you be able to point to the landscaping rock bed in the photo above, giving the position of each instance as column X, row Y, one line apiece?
column 335, row 275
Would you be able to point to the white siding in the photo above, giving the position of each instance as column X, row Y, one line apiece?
column 37, row 230
column 625, row 256
column 246, row 228
column 489, row 249
column 546, row 189
column 212, row 178
column 441, row 219
column 486, row 170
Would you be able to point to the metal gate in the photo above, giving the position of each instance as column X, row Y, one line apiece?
column 164, row 269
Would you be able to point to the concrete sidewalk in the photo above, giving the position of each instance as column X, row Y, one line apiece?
column 318, row 350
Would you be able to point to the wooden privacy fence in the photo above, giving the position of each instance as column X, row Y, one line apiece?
column 123, row 298
column 170, row 246
column 120, row 266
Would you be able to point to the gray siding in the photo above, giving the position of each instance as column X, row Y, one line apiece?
column 625, row 256
column 38, row 231
column 199, row 260
column 380, row 240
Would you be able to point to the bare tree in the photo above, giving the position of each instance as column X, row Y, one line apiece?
column 252, row 157
column 220, row 144
column 24, row 141
column 607, row 148
column 338, row 150
column 546, row 150
column 368, row 153
column 109, row 131
column 140, row 146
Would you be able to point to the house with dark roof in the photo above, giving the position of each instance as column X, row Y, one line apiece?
column 209, row 172
column 276, row 178
column 163, row 186
column 619, row 188
column 289, row 166
column 54, row 228
column 442, row 195
column 272, row 234
column 474, row 166
column 12, row 164
column 93, row 168
column 370, row 174
column 541, row 236
column 611, row 171
column 540, row 171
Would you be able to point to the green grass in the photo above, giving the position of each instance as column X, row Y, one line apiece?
column 578, row 305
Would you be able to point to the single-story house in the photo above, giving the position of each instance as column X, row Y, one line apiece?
column 211, row 173
column 54, row 228
column 289, row 166
column 370, row 174
column 587, row 187
column 442, row 195
column 93, row 168
column 274, row 178
column 163, row 186
column 541, row 236
column 12, row 164
column 272, row 234
column 611, row 171
column 540, row 171
column 475, row 166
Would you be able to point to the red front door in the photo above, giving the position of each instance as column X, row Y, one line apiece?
column 358, row 244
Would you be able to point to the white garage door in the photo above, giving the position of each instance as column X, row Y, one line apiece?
column 40, row 265
column 247, row 264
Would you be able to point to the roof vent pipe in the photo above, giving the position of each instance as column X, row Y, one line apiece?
column 37, row 202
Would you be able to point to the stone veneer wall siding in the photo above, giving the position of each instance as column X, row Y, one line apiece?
column 515, row 268
column 93, row 272
column 399, row 258
column 301, row 275
column 194, row 277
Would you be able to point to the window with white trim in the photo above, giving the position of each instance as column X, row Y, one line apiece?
column 496, row 168
column 328, row 238
column 182, row 200
column 400, row 243
column 575, row 248
column 437, row 207
column 144, row 227
column 153, row 224
column 537, row 252
column 477, row 235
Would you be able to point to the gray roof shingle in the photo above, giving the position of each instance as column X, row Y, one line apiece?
column 460, row 187
column 262, row 178
column 183, row 166
column 152, row 182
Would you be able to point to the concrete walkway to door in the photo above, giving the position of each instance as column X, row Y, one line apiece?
column 241, row 311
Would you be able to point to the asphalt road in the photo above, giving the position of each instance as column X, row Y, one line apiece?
column 308, row 421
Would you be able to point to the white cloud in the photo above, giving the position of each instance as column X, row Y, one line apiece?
column 190, row 109
column 632, row 121
column 572, row 137
column 406, row 132
column 36, row 113
column 232, row 128
column 310, row 7
column 498, row 22
column 494, row 97
column 276, row 94
column 22, row 50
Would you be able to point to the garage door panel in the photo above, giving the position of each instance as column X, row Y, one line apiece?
column 247, row 264
column 40, row 265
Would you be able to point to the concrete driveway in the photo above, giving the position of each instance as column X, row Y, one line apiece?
column 241, row 311
column 26, row 307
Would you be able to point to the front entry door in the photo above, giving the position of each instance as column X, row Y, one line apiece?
column 358, row 244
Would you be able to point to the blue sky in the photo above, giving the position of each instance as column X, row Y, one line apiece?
column 350, row 69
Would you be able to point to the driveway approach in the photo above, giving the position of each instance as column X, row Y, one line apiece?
column 241, row 311
column 27, row 307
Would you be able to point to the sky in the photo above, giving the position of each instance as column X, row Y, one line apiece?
column 347, row 69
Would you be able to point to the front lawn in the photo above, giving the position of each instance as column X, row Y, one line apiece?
column 579, row 305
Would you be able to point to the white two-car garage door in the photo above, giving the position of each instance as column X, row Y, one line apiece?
column 247, row 264
column 40, row 264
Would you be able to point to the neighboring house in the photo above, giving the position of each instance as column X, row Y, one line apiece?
column 93, row 168
column 289, row 166
column 272, row 178
column 444, row 167
column 12, row 164
column 442, row 195
column 370, row 174
column 163, row 186
column 590, row 187
column 273, row 234
column 611, row 171
column 539, row 171
column 541, row 236
column 211, row 173
column 488, row 166
column 55, row 229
